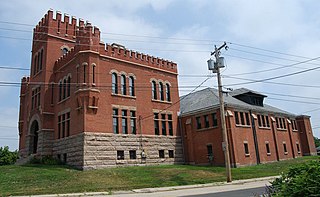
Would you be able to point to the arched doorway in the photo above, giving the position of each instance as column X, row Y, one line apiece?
column 34, row 129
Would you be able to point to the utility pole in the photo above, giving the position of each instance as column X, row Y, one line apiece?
column 215, row 67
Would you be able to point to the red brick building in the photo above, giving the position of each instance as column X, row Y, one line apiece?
column 92, row 104
column 257, row 132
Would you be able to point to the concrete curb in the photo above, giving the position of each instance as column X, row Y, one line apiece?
column 161, row 189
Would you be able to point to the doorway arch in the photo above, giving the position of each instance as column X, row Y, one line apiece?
column 34, row 132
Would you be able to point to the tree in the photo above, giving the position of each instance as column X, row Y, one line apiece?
column 7, row 157
column 317, row 141
column 301, row 180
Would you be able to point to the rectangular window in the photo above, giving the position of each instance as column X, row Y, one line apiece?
column 115, row 121
column 63, row 125
column 124, row 122
column 259, row 121
column 156, row 123
column 120, row 155
column 281, row 123
column 298, row 148
column 242, row 118
column 133, row 154
column 294, row 125
column 247, row 118
column 246, row 148
column 171, row 153
column 133, row 124
column 163, row 124
column 59, row 127
column 214, row 120
column 68, row 124
column 267, row 121
column 198, row 120
column 161, row 153
column 285, row 148
column 209, row 151
column 170, row 127
column 206, row 121
column 237, row 118
column 268, row 148
column 263, row 121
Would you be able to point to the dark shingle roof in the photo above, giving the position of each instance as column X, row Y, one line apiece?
column 208, row 98
column 243, row 91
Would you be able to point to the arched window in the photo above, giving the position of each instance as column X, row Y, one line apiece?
column 38, row 66
column 68, row 86
column 60, row 90
column 64, row 88
column 131, row 86
column 123, row 85
column 84, row 73
column 114, row 83
column 161, row 93
column 168, row 97
column 154, row 90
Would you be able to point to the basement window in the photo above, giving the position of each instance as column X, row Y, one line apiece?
column 120, row 155
column 171, row 153
column 161, row 153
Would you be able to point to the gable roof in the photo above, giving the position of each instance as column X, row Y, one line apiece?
column 208, row 98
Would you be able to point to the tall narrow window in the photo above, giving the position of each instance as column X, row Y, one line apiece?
column 84, row 72
column 268, row 148
column 64, row 88
column 298, row 148
column 38, row 67
column 259, row 120
column 214, row 120
column 93, row 73
column 163, row 124
column 59, row 127
column 236, row 116
column 242, row 118
column 114, row 83
column 161, row 93
column 124, row 121
column 123, row 85
column 267, row 121
column 285, row 148
column 206, row 121
column 247, row 118
column 68, row 86
column 133, row 122
column 246, row 148
column 60, row 90
column 154, row 90
column 77, row 74
column 35, row 62
column 41, row 60
column 131, row 86
column 68, row 124
column 198, row 121
column 209, row 151
column 170, row 127
column 168, row 96
column 156, row 123
column 63, row 125
column 115, row 121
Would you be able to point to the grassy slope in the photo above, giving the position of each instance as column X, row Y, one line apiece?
column 39, row 179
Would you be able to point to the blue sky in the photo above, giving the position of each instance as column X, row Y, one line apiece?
column 260, row 34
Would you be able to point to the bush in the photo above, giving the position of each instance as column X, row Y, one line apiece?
column 7, row 157
column 46, row 160
column 301, row 180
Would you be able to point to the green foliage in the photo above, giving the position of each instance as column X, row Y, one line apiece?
column 301, row 180
column 46, row 160
column 317, row 141
column 7, row 157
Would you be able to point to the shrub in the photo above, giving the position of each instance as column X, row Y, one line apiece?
column 7, row 157
column 46, row 160
column 301, row 180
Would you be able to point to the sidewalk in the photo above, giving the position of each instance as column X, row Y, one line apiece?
column 180, row 190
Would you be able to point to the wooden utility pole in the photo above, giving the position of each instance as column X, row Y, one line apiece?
column 225, row 144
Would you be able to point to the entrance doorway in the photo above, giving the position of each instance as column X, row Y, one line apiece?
column 34, row 129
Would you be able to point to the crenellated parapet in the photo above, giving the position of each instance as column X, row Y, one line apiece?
column 120, row 52
column 63, row 60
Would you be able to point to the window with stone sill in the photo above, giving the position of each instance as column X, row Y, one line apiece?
column 120, row 155
column 161, row 153
column 171, row 153
column 242, row 118
column 132, row 154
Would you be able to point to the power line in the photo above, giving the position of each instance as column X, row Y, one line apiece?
column 295, row 101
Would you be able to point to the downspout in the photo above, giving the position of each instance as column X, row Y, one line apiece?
column 182, row 138
column 255, row 139
column 275, row 140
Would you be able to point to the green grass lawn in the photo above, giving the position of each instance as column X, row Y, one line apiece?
column 41, row 179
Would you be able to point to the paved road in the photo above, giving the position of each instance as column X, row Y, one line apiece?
column 237, row 193
column 235, row 189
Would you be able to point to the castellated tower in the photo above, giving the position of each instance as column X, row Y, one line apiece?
column 93, row 105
